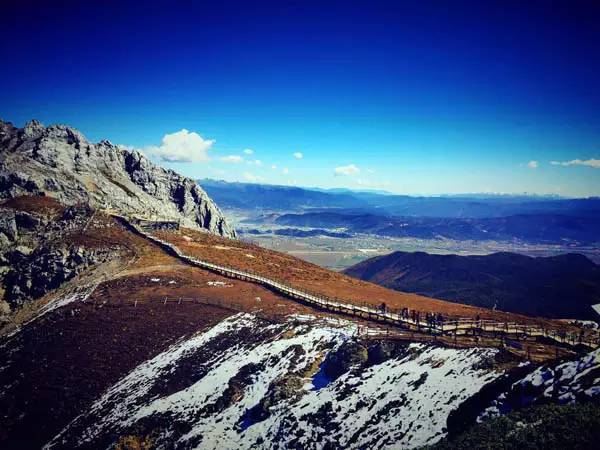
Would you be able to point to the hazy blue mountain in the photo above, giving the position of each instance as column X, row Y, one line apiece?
column 251, row 196
column 280, row 198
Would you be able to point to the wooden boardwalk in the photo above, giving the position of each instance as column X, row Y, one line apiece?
column 432, row 324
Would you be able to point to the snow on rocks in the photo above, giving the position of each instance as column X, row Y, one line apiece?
column 81, row 295
column 246, row 383
column 218, row 284
column 567, row 382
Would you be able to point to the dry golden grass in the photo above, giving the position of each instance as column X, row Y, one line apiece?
column 310, row 277
column 43, row 205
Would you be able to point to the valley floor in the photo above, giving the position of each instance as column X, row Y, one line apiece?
column 341, row 253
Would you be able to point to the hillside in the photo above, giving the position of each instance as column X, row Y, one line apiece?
column 561, row 286
column 313, row 278
column 141, row 347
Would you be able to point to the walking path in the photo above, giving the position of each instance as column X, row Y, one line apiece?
column 403, row 318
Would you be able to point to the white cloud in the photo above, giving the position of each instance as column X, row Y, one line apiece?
column 285, row 171
column 248, row 151
column 274, row 167
column 252, row 178
column 233, row 159
column 370, row 170
column 256, row 162
column 298, row 155
column 350, row 169
column 182, row 146
column 594, row 163
column 532, row 164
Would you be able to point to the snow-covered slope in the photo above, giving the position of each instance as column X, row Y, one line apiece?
column 568, row 382
column 246, row 383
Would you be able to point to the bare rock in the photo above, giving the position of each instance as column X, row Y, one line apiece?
column 350, row 354
column 60, row 162
column 8, row 227
column 34, row 273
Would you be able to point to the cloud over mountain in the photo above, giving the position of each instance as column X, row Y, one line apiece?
column 182, row 146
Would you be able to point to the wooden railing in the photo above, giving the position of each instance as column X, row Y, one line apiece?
column 418, row 322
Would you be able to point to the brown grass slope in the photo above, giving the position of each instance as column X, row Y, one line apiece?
column 310, row 277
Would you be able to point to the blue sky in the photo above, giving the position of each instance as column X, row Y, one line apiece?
column 412, row 97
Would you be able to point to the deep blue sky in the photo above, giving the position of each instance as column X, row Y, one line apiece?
column 413, row 97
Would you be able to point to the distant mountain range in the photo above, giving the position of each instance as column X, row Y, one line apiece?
column 531, row 228
column 561, row 286
column 277, row 198
column 286, row 198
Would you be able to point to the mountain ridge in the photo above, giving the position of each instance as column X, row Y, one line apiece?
column 287, row 198
column 60, row 162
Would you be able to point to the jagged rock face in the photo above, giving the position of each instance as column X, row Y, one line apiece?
column 34, row 273
column 8, row 228
column 38, row 252
column 59, row 161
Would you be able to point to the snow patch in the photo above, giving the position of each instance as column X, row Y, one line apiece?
column 411, row 394
column 218, row 284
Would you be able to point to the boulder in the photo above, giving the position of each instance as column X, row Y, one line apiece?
column 348, row 355
column 8, row 226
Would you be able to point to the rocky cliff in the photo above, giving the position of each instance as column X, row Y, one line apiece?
column 59, row 161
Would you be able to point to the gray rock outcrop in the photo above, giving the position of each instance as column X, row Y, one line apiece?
column 350, row 354
column 8, row 228
column 33, row 273
column 60, row 162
